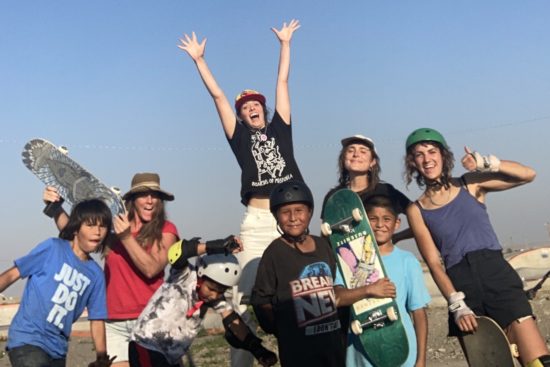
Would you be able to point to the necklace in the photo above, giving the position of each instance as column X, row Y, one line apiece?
column 261, row 135
column 429, row 196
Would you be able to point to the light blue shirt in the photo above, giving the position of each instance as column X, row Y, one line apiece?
column 404, row 270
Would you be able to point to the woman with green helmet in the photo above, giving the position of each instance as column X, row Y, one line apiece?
column 450, row 223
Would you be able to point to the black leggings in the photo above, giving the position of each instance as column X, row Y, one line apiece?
column 143, row 357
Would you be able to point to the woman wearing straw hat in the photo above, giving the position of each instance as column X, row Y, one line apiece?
column 263, row 150
column 135, row 259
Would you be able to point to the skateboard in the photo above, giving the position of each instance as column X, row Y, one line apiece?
column 488, row 345
column 376, row 321
column 53, row 166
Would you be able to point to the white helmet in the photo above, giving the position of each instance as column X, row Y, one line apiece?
column 221, row 268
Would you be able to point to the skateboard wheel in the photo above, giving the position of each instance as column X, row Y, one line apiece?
column 514, row 350
column 325, row 229
column 356, row 327
column 63, row 149
column 356, row 214
column 392, row 315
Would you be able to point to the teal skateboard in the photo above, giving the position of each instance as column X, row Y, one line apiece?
column 53, row 166
column 376, row 321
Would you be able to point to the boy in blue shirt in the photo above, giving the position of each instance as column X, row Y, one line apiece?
column 404, row 270
column 63, row 279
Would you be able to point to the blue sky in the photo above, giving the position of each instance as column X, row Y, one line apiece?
column 106, row 79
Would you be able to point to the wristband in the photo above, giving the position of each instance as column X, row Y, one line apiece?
column 486, row 163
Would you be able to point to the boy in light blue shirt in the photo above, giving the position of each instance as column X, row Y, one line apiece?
column 404, row 270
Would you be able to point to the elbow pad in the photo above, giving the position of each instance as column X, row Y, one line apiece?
column 182, row 250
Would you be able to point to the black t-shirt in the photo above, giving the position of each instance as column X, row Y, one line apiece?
column 266, row 157
column 299, row 286
column 399, row 200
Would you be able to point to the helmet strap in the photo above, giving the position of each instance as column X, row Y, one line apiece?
column 294, row 240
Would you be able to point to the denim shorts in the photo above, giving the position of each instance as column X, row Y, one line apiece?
column 492, row 288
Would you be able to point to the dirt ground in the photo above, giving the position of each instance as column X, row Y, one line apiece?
column 211, row 350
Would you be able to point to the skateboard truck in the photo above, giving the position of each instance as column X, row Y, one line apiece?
column 344, row 225
column 375, row 320
column 531, row 293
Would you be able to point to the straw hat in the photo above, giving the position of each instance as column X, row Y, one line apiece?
column 144, row 182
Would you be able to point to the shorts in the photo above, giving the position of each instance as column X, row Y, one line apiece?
column 118, row 337
column 492, row 288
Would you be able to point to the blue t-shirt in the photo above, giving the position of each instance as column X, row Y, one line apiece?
column 59, row 287
column 404, row 270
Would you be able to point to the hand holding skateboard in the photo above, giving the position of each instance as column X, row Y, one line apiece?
column 382, row 288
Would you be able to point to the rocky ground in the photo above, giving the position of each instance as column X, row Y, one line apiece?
column 211, row 350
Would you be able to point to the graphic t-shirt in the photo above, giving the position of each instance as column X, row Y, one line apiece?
column 59, row 287
column 299, row 286
column 266, row 157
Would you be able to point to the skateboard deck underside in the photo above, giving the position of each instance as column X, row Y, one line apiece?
column 359, row 263
column 74, row 183
column 488, row 346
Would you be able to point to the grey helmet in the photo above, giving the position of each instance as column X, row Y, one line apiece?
column 288, row 192
column 221, row 268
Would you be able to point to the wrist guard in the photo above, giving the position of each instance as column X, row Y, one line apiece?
column 53, row 208
column 251, row 342
column 182, row 250
column 458, row 307
column 221, row 246
column 486, row 163
column 102, row 360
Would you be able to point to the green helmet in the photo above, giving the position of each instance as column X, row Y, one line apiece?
column 425, row 134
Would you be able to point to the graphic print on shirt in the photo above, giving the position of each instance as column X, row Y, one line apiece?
column 314, row 299
column 269, row 161
column 71, row 285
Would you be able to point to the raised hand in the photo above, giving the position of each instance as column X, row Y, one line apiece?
column 121, row 225
column 192, row 46
column 285, row 33
column 469, row 160
column 474, row 161
column 50, row 195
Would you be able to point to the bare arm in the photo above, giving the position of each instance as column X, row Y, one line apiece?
column 431, row 256
column 382, row 288
column 282, row 98
column 420, row 321
column 9, row 277
column 498, row 176
column 195, row 50
column 149, row 263
column 97, row 329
